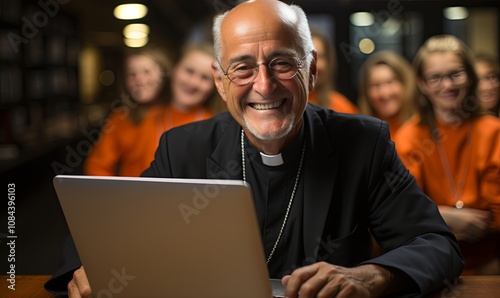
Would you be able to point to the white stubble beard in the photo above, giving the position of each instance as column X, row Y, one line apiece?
column 272, row 136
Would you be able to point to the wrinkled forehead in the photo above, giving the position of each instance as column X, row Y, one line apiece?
column 253, row 25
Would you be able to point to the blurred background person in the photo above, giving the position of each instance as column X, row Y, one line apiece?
column 324, row 93
column 488, row 88
column 453, row 150
column 387, row 88
column 193, row 93
column 130, row 137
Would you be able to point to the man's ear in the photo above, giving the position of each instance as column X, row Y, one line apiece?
column 218, row 81
column 313, row 71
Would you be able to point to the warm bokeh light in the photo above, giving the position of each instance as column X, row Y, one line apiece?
column 135, row 42
column 456, row 13
column 362, row 19
column 130, row 11
column 136, row 31
column 366, row 46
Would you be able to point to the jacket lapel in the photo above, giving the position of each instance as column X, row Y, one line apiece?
column 320, row 172
column 225, row 161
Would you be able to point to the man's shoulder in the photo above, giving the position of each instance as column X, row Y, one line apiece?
column 343, row 121
column 216, row 124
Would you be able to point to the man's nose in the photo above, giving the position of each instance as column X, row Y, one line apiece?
column 264, row 83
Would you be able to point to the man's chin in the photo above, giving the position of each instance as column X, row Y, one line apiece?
column 268, row 133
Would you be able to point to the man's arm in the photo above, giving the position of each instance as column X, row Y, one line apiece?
column 421, row 254
column 407, row 224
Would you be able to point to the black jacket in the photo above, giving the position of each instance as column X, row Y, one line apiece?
column 354, row 184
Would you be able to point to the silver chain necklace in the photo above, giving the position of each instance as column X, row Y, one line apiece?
column 291, row 197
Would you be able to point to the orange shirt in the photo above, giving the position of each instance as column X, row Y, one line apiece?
column 127, row 149
column 393, row 122
column 338, row 102
column 476, row 161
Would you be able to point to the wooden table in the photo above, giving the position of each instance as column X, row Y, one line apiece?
column 471, row 286
column 26, row 286
column 467, row 286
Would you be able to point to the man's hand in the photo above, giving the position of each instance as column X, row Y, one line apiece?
column 327, row 280
column 467, row 224
column 79, row 286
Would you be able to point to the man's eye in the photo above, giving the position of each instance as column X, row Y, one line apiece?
column 242, row 68
column 282, row 65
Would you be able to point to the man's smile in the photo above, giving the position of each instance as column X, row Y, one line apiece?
column 267, row 106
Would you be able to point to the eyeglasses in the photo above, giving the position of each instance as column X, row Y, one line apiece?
column 244, row 72
column 457, row 77
column 491, row 78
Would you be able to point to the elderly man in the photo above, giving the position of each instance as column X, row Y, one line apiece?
column 322, row 181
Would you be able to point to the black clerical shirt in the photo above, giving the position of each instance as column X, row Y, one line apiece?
column 272, row 188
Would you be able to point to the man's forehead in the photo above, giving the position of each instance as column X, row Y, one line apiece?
column 245, row 34
column 252, row 45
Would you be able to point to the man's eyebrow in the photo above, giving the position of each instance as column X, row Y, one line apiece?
column 287, row 53
column 240, row 58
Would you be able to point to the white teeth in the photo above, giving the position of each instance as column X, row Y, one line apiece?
column 267, row 106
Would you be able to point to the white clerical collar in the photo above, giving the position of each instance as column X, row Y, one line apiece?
column 272, row 160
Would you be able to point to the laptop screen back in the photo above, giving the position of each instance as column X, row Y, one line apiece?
column 159, row 237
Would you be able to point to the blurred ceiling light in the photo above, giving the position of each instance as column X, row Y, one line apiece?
column 130, row 11
column 135, row 42
column 362, row 19
column 456, row 13
column 136, row 31
column 366, row 46
column 391, row 26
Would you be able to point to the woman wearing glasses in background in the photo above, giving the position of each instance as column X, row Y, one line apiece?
column 453, row 150
column 488, row 88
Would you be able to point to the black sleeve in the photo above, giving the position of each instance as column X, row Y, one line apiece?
column 70, row 261
column 159, row 167
column 408, row 225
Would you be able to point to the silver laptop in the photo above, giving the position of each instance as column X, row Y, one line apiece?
column 159, row 237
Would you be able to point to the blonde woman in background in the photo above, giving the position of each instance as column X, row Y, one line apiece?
column 453, row 150
column 387, row 88
column 324, row 93
column 130, row 137
column 488, row 88
column 193, row 94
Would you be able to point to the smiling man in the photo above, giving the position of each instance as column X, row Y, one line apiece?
column 322, row 181
column 266, row 73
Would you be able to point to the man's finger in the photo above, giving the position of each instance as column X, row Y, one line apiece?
column 80, row 284
column 73, row 290
column 297, row 278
